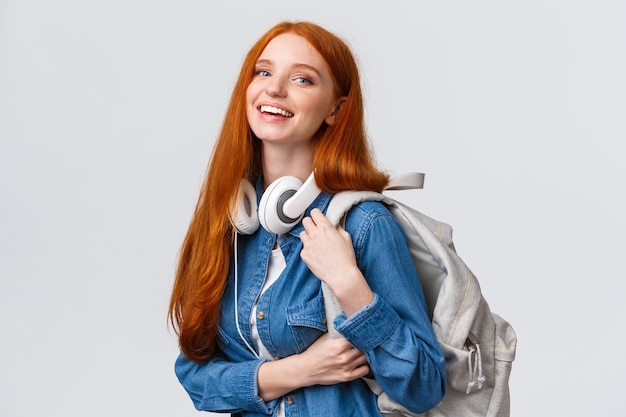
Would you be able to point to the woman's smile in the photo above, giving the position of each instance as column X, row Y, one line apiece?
column 275, row 111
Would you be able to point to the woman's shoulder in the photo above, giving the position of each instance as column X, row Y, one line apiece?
column 363, row 215
column 370, row 208
column 373, row 228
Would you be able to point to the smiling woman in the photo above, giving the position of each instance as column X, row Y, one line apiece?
column 247, row 303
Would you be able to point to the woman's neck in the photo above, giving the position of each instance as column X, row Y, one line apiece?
column 279, row 161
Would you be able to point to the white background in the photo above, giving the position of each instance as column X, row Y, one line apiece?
column 108, row 111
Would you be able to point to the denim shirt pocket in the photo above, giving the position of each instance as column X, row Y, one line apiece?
column 307, row 321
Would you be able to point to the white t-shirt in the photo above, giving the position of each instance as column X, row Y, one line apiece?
column 274, row 269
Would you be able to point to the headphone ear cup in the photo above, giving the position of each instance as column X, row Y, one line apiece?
column 245, row 219
column 271, row 215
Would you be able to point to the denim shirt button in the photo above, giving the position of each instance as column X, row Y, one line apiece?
column 260, row 315
column 324, row 319
column 290, row 400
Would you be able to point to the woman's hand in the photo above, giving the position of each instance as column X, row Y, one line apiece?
column 327, row 361
column 329, row 254
column 330, row 361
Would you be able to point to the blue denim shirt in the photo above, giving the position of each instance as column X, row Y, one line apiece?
column 394, row 331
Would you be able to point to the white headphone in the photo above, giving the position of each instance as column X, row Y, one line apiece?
column 281, row 207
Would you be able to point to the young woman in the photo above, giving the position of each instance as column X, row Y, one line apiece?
column 248, row 308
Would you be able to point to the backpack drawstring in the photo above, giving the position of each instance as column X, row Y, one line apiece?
column 477, row 366
column 471, row 381
column 481, row 377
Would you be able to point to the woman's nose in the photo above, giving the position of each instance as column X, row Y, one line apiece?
column 276, row 87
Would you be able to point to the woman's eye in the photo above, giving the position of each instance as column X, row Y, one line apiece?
column 262, row 73
column 303, row 80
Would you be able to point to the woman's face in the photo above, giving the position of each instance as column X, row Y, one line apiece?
column 291, row 93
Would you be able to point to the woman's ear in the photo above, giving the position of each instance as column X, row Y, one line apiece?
column 332, row 117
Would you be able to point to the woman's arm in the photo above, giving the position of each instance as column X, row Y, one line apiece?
column 224, row 386
column 393, row 330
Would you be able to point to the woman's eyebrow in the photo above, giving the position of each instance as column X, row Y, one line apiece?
column 309, row 67
column 264, row 61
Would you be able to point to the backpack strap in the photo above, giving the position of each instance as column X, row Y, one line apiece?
column 342, row 202
column 407, row 181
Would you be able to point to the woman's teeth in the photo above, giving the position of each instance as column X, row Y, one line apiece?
column 276, row 110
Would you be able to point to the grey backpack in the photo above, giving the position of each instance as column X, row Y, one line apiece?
column 479, row 346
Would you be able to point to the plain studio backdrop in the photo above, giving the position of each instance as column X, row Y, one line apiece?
column 516, row 111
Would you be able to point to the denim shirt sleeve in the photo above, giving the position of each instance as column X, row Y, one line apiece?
column 222, row 386
column 394, row 331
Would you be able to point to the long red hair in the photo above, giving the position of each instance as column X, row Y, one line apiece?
column 342, row 161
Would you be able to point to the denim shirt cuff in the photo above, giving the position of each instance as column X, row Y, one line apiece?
column 370, row 326
column 248, row 391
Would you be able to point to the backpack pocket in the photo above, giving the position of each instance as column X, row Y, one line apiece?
column 466, row 368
